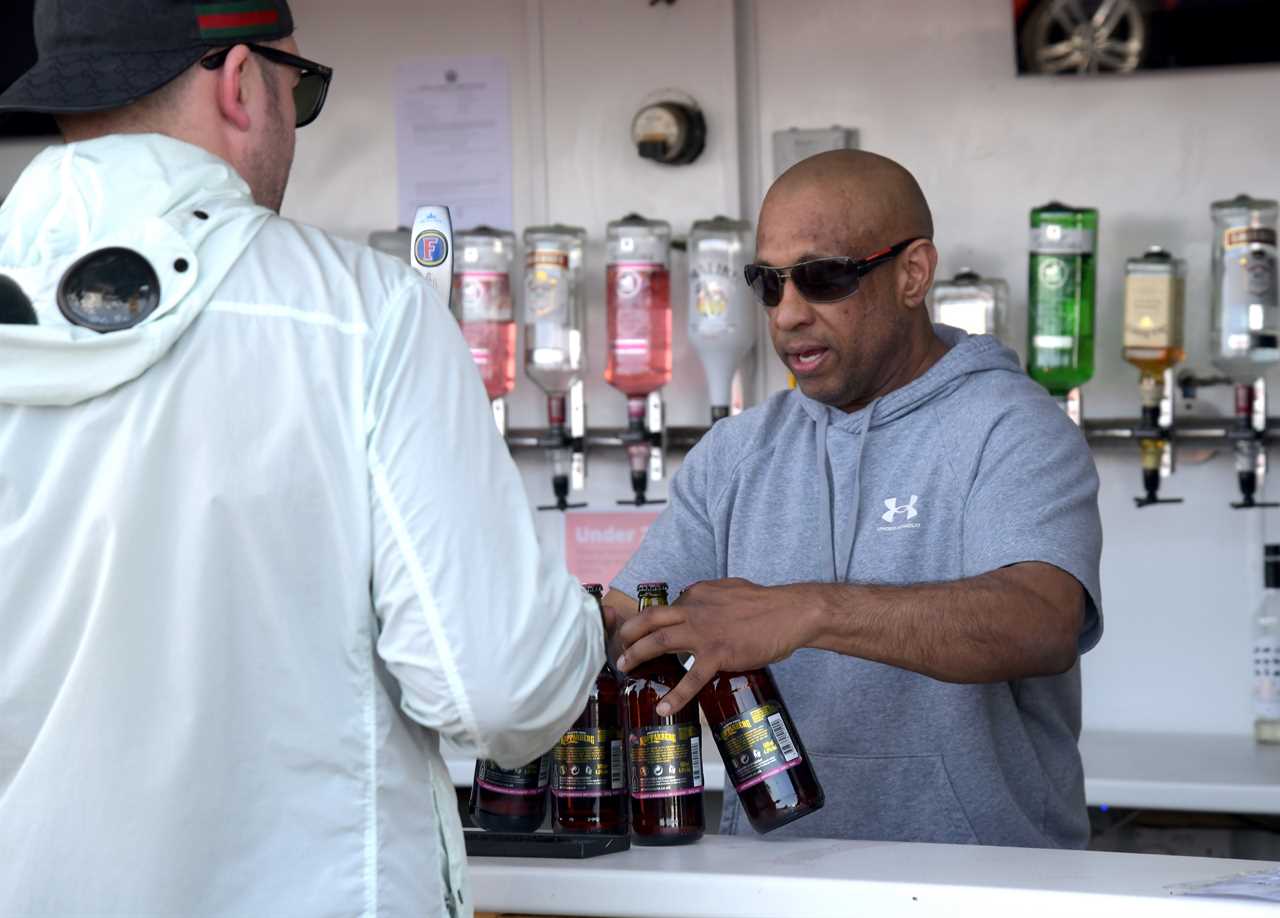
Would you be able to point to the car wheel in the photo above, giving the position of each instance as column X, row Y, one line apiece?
column 1083, row 36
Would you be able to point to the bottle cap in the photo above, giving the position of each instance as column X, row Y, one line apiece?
column 595, row 589
column 656, row 586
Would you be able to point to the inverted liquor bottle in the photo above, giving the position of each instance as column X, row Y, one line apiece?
column 588, row 770
column 510, row 799
column 763, row 756
column 554, row 346
column 975, row 304
column 554, row 307
column 664, row 754
column 1060, row 302
column 1153, row 342
column 638, row 287
column 722, row 314
column 483, row 303
column 1245, row 337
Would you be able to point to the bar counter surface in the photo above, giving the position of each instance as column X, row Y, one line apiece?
column 742, row 877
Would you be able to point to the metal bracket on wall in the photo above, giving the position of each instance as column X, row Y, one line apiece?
column 1100, row 433
column 1198, row 431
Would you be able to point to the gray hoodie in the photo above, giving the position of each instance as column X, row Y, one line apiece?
column 969, row 468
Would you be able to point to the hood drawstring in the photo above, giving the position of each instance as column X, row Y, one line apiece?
column 826, row 494
column 827, row 510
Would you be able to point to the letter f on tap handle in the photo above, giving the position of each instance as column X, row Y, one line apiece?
column 432, row 248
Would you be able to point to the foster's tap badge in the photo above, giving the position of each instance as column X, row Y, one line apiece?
column 433, row 248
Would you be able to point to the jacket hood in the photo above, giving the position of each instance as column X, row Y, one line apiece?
column 967, row 354
column 183, row 209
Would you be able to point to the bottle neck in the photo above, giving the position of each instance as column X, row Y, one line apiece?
column 655, row 667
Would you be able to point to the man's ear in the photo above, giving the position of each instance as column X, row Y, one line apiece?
column 232, row 77
column 919, row 262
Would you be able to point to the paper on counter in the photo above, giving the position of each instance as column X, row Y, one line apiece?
column 453, row 139
column 1261, row 884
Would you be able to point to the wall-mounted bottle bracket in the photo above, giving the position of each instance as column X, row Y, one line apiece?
column 1100, row 432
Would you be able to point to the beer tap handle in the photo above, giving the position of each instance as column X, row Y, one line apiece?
column 432, row 248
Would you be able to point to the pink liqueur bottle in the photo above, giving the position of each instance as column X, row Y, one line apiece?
column 638, row 288
column 638, row 280
column 484, row 307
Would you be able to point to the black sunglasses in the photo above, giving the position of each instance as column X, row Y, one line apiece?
column 313, row 84
column 822, row 280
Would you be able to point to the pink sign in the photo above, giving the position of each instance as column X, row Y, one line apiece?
column 597, row 545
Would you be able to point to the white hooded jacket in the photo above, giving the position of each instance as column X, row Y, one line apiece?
column 238, row 544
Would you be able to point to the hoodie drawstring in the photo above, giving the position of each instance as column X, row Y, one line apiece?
column 826, row 491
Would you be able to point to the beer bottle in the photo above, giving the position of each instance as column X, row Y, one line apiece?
column 664, row 754
column 763, row 756
column 588, row 776
column 510, row 799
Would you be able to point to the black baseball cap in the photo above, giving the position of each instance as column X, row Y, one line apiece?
column 96, row 56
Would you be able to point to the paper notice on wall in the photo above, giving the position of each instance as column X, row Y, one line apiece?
column 597, row 545
column 453, row 139
column 1261, row 884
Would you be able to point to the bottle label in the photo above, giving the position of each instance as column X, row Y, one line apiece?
column 1152, row 308
column 757, row 744
column 1266, row 680
column 711, row 282
column 1056, row 297
column 1052, row 239
column 1249, row 295
column 632, row 283
column 1053, row 342
column 1248, row 235
column 665, row 761
column 546, row 284
column 525, row 781
column 588, row 763
column 484, row 296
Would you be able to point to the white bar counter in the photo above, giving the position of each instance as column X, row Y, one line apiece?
column 1178, row 771
column 1162, row 771
column 723, row 877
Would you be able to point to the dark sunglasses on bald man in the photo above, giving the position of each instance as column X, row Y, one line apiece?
column 313, row 81
column 822, row 280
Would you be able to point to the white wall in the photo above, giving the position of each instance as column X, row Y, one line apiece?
column 14, row 156
column 930, row 84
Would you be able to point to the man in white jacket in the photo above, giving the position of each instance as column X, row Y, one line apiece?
column 260, row 546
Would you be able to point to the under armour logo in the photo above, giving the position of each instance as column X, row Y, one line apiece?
column 909, row 508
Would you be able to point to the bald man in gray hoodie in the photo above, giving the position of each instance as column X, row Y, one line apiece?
column 911, row 539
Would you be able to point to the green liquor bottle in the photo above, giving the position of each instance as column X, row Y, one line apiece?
column 1060, row 297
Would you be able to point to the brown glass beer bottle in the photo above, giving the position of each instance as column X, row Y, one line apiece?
column 588, row 769
column 664, row 754
column 763, row 757
column 510, row 799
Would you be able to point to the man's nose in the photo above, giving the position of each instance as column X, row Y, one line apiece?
column 793, row 311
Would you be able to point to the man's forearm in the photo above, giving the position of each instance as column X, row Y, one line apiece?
column 1010, row 624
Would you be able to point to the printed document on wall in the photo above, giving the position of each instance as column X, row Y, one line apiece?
column 453, row 139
